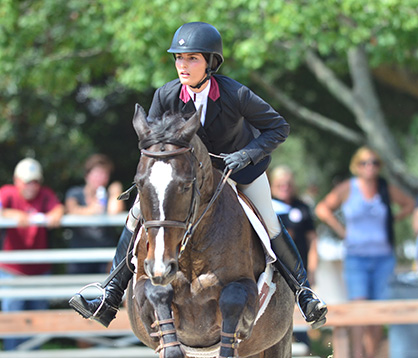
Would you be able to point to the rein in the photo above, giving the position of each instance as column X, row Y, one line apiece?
column 190, row 231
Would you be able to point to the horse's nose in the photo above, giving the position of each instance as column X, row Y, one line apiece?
column 172, row 267
column 147, row 265
column 162, row 275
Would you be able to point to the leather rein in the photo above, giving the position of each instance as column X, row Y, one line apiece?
column 190, row 224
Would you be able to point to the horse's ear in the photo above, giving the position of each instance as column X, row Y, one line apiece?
column 192, row 125
column 139, row 122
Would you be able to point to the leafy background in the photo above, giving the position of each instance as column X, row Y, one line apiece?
column 342, row 72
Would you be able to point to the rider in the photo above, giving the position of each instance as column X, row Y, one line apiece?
column 234, row 120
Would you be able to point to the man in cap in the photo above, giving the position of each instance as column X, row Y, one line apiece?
column 34, row 207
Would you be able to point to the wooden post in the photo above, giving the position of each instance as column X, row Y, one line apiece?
column 341, row 342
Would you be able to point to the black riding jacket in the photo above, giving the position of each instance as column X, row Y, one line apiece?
column 236, row 118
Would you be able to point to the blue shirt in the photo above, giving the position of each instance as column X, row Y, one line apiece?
column 366, row 229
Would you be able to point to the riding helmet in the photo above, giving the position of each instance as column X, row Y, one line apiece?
column 199, row 37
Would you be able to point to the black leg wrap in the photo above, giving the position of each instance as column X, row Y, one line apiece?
column 290, row 265
column 103, row 309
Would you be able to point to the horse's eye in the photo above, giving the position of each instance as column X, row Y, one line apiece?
column 185, row 187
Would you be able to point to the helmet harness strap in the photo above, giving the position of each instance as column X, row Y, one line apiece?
column 209, row 73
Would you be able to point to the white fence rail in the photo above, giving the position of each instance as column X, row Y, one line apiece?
column 57, row 287
column 76, row 220
column 57, row 255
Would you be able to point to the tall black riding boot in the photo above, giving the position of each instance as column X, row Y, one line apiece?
column 103, row 309
column 290, row 265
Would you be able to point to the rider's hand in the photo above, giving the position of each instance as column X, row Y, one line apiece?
column 237, row 160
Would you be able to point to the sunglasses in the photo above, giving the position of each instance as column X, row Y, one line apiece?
column 373, row 162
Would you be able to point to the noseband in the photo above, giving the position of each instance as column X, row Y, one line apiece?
column 186, row 224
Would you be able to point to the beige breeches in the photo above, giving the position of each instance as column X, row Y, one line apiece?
column 259, row 193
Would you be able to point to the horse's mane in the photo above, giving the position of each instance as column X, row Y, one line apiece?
column 165, row 129
column 170, row 129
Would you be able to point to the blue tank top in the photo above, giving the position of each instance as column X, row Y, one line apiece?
column 366, row 230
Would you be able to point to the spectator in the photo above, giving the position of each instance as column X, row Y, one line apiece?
column 415, row 219
column 28, row 202
column 93, row 198
column 365, row 201
column 297, row 218
column 415, row 228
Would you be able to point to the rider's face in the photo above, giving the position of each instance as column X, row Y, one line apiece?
column 191, row 68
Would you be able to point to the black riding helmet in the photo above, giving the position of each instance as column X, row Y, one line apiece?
column 203, row 38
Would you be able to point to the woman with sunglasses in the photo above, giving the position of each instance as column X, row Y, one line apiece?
column 367, row 231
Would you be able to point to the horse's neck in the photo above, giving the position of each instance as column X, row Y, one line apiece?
column 205, row 175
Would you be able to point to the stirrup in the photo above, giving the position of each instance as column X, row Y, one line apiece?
column 99, row 286
column 302, row 289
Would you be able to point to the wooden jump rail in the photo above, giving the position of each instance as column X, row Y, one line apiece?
column 340, row 318
column 345, row 315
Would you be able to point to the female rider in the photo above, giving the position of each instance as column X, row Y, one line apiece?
column 236, row 121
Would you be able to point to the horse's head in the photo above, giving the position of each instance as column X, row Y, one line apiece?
column 168, row 178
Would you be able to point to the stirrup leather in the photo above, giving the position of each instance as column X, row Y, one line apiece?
column 302, row 289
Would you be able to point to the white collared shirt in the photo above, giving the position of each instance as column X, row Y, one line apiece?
column 199, row 99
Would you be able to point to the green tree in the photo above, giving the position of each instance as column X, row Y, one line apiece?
column 67, row 63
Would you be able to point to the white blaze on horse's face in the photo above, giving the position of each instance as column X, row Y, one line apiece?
column 160, row 177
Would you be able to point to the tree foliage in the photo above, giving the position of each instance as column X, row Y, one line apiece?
column 72, row 69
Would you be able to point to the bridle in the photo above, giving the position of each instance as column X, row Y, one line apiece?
column 162, row 155
column 190, row 223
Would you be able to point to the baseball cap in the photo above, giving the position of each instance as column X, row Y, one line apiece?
column 28, row 169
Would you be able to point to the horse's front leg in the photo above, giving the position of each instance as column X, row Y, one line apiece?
column 238, row 304
column 161, row 298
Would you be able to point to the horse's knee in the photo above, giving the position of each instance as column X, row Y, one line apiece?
column 237, row 296
column 238, row 305
column 159, row 295
column 233, row 299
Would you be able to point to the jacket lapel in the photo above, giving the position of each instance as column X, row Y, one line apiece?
column 187, row 107
column 212, row 111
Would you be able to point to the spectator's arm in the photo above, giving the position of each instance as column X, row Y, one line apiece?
column 313, row 260
column 115, row 206
column 325, row 208
column 415, row 221
column 54, row 216
column 19, row 215
column 405, row 202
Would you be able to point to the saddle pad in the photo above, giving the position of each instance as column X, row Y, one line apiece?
column 266, row 289
column 257, row 224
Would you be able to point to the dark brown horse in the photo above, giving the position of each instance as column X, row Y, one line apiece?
column 206, row 298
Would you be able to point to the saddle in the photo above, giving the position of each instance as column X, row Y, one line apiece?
column 257, row 223
column 265, row 284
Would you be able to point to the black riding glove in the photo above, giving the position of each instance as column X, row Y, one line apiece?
column 237, row 160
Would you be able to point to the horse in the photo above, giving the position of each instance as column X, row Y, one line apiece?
column 197, row 256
